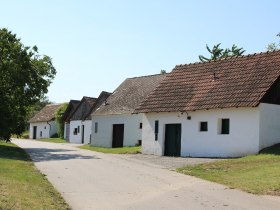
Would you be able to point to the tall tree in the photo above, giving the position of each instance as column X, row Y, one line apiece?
column 217, row 52
column 25, row 78
column 274, row 46
column 59, row 121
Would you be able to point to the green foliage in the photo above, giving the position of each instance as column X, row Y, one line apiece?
column 218, row 53
column 162, row 71
column 25, row 78
column 274, row 46
column 34, row 109
column 58, row 117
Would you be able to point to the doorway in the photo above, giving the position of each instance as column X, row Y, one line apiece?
column 118, row 133
column 34, row 132
column 172, row 140
column 83, row 134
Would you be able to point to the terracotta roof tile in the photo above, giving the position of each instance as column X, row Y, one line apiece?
column 233, row 82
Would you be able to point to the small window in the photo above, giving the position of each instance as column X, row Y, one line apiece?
column 225, row 126
column 45, row 127
column 156, row 130
column 140, row 126
column 203, row 126
column 41, row 133
column 96, row 127
column 78, row 129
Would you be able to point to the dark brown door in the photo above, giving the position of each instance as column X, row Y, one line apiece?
column 172, row 140
column 34, row 132
column 83, row 134
column 118, row 130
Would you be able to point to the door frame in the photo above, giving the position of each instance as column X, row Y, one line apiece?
column 178, row 152
column 34, row 132
column 83, row 134
column 115, row 142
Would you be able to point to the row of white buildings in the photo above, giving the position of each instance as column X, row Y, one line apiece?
column 224, row 108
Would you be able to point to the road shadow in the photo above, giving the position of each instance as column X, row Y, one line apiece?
column 45, row 154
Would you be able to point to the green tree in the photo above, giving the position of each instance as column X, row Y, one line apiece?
column 217, row 52
column 162, row 71
column 25, row 78
column 274, row 46
column 59, row 120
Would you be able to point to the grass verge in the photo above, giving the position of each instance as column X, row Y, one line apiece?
column 22, row 186
column 120, row 150
column 258, row 174
column 53, row 140
column 24, row 135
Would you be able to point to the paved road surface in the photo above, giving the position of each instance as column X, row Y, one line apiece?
column 91, row 180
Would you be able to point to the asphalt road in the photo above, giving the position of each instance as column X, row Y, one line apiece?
column 91, row 180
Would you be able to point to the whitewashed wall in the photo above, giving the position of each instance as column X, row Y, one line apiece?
column 242, row 140
column 87, row 134
column 269, row 125
column 47, row 129
column 104, row 136
column 78, row 138
column 75, row 138
column 65, row 125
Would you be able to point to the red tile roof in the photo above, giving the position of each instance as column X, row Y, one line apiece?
column 233, row 82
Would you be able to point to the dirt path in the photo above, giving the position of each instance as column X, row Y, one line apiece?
column 91, row 180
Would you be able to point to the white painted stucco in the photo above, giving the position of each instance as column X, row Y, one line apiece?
column 104, row 135
column 242, row 140
column 269, row 125
column 44, row 129
column 77, row 138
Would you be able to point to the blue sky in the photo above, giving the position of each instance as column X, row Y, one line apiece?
column 95, row 45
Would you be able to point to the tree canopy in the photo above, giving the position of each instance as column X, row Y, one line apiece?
column 274, row 46
column 58, row 118
column 25, row 78
column 217, row 52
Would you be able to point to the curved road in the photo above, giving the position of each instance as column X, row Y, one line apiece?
column 91, row 180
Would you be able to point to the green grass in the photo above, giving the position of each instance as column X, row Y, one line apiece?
column 22, row 186
column 53, row 140
column 120, row 150
column 258, row 174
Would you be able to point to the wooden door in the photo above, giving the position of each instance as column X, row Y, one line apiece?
column 34, row 132
column 118, row 131
column 172, row 140
column 83, row 134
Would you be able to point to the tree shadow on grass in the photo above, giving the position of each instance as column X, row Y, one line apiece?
column 273, row 150
column 10, row 151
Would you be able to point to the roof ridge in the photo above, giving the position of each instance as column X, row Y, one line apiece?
column 151, row 75
column 229, row 57
column 54, row 104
